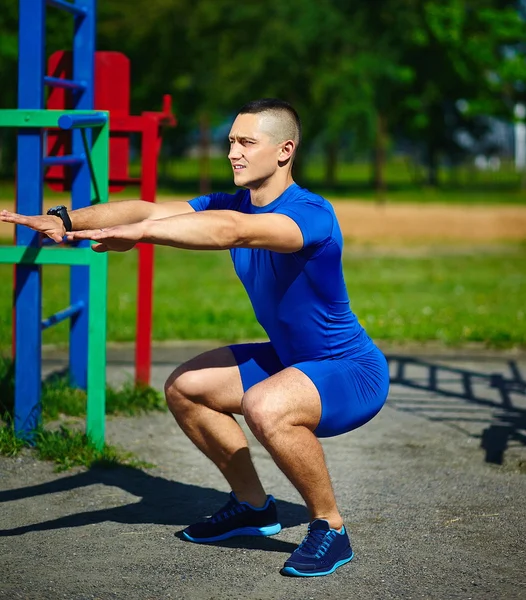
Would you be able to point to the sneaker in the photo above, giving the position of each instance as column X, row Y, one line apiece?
column 322, row 551
column 234, row 519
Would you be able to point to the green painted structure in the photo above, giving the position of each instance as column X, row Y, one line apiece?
column 98, row 159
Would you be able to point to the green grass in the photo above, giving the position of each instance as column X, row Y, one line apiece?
column 66, row 448
column 453, row 298
column 59, row 398
column 63, row 446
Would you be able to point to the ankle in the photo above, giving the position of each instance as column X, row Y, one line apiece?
column 335, row 522
column 255, row 500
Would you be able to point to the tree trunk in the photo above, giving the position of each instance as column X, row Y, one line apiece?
column 331, row 163
column 204, row 154
column 380, row 156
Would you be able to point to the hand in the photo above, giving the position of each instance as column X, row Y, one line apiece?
column 117, row 239
column 46, row 224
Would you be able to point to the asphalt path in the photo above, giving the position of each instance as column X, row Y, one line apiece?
column 433, row 492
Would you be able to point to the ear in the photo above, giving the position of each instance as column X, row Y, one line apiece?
column 287, row 150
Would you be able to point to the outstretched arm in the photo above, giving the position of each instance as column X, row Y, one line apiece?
column 206, row 230
column 99, row 215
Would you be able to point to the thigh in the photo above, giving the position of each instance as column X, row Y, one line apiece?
column 352, row 391
column 256, row 362
column 218, row 378
column 288, row 397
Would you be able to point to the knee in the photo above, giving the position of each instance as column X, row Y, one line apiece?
column 262, row 414
column 181, row 388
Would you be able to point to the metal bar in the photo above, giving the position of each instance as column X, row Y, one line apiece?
column 62, row 315
column 21, row 255
column 93, row 178
column 83, row 58
column 67, row 159
column 79, row 11
column 98, row 310
column 66, row 84
column 143, row 345
column 75, row 121
column 28, row 288
column 12, row 117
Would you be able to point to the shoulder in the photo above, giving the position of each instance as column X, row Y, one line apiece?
column 219, row 201
column 309, row 204
column 314, row 214
column 304, row 197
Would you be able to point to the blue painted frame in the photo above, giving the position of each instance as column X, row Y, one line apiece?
column 30, row 174
column 28, row 286
column 84, row 73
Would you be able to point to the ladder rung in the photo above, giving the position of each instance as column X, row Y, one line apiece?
column 67, row 84
column 68, row 7
column 62, row 315
column 67, row 159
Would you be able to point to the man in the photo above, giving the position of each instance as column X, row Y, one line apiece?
column 319, row 374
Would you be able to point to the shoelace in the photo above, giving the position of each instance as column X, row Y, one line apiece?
column 230, row 509
column 316, row 542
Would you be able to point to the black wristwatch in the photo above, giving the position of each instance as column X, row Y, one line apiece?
column 62, row 212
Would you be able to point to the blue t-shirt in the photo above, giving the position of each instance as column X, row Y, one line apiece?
column 299, row 298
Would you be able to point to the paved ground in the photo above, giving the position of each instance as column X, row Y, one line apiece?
column 433, row 491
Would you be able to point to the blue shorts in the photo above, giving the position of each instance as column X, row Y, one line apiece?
column 352, row 390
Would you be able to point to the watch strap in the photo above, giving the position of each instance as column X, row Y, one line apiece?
column 62, row 213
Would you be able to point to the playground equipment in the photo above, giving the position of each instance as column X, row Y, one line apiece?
column 87, row 157
column 112, row 93
column 87, row 309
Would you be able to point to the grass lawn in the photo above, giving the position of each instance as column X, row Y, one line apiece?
column 453, row 298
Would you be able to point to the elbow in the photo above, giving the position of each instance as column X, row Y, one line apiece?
column 233, row 235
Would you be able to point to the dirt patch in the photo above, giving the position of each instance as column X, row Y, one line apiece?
column 412, row 223
column 395, row 224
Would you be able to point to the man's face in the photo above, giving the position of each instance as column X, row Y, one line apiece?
column 254, row 156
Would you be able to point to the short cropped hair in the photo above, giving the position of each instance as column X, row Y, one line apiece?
column 288, row 124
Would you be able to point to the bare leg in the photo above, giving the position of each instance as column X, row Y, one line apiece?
column 202, row 394
column 284, row 426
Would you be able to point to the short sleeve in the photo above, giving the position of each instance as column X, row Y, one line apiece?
column 217, row 201
column 315, row 221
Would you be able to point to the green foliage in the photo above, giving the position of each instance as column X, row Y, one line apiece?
column 10, row 445
column 7, row 385
column 132, row 399
column 455, row 297
column 59, row 398
column 451, row 299
column 353, row 69
column 66, row 448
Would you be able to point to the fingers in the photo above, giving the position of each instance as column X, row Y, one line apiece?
column 10, row 217
column 100, row 248
column 87, row 234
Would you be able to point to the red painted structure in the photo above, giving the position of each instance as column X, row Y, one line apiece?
column 112, row 93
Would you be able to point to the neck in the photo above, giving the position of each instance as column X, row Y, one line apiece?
column 270, row 190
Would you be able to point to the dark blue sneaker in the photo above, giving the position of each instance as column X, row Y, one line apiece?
column 236, row 518
column 322, row 551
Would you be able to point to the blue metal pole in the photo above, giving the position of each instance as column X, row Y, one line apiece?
column 74, row 9
column 66, row 84
column 83, row 70
column 66, row 159
column 28, row 290
column 62, row 315
column 77, row 121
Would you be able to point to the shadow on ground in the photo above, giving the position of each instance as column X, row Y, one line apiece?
column 164, row 502
column 490, row 394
